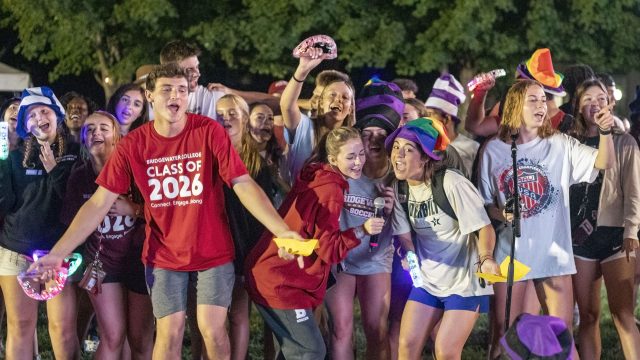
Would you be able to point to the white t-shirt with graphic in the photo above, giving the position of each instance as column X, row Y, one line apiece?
column 446, row 251
column 547, row 167
column 203, row 102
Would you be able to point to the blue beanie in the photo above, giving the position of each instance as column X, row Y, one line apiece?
column 37, row 96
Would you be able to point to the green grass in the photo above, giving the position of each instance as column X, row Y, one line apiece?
column 474, row 349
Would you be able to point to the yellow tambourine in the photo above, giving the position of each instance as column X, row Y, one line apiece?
column 297, row 247
column 519, row 271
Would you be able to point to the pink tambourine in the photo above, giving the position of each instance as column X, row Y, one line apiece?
column 38, row 289
column 324, row 42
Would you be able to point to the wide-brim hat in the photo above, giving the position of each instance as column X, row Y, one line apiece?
column 142, row 73
column 539, row 67
column 538, row 337
column 425, row 132
column 37, row 96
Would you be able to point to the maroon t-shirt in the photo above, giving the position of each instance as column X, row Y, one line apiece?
column 118, row 232
column 180, row 179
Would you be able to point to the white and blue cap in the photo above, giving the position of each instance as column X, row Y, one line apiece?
column 37, row 96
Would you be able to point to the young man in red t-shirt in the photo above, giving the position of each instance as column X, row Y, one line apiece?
column 179, row 162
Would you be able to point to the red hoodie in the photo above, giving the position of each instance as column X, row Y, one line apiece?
column 312, row 208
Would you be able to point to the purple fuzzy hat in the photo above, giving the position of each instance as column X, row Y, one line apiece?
column 538, row 337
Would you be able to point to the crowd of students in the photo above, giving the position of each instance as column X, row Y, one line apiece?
column 179, row 213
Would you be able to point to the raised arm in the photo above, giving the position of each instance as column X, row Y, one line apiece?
column 291, row 93
column 605, row 158
column 250, row 97
column 476, row 122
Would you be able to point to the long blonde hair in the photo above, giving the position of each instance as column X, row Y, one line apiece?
column 331, row 142
column 318, row 124
column 249, row 152
column 512, row 118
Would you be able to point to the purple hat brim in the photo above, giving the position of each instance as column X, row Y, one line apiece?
column 523, row 73
column 414, row 135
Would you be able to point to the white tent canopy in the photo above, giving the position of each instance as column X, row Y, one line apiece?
column 12, row 79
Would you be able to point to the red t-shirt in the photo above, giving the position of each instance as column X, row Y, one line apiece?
column 181, row 181
column 556, row 120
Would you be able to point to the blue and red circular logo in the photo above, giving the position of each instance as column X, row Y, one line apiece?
column 536, row 193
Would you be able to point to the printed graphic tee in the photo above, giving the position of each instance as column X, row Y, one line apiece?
column 358, row 207
column 181, row 180
column 446, row 251
column 117, row 232
column 546, row 169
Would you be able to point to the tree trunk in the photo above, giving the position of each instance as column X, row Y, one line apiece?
column 466, row 74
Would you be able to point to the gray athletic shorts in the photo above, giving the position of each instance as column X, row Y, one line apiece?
column 168, row 288
column 12, row 263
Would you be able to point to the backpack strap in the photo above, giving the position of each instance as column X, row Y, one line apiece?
column 403, row 199
column 439, row 196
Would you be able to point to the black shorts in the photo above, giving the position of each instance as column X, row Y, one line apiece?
column 602, row 244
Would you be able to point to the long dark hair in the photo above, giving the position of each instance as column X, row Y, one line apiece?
column 580, row 127
column 115, row 98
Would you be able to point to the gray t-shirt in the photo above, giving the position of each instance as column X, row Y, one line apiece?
column 358, row 207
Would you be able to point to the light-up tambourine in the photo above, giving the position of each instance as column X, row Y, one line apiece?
column 324, row 42
column 483, row 78
column 34, row 287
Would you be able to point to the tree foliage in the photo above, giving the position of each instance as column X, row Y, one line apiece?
column 113, row 37
column 110, row 38
column 427, row 35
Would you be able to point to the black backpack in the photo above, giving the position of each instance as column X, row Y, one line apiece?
column 437, row 189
